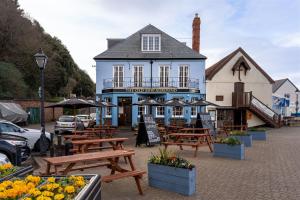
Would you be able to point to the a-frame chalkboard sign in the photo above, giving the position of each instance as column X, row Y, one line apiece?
column 207, row 122
column 147, row 132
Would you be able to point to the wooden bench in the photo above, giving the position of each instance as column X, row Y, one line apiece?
column 189, row 139
column 110, row 159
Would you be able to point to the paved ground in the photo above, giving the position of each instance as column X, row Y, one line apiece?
column 270, row 172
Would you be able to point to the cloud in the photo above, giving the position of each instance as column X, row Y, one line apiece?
column 268, row 30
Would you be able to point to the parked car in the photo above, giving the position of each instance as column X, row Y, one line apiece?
column 86, row 119
column 32, row 135
column 15, row 148
column 68, row 123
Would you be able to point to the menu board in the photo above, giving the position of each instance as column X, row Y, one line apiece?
column 151, row 128
column 207, row 122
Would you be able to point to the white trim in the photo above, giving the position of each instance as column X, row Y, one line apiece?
column 188, row 75
column 142, row 67
column 118, row 82
column 152, row 35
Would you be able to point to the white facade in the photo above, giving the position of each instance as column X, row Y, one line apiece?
column 287, row 89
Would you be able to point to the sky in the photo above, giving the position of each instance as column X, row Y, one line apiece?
column 268, row 30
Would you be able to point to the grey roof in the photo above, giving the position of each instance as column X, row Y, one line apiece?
column 278, row 83
column 130, row 48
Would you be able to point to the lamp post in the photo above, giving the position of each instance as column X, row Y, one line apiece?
column 297, row 102
column 41, row 60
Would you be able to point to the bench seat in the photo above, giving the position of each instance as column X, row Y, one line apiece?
column 135, row 173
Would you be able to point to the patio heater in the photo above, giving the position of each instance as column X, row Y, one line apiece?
column 41, row 60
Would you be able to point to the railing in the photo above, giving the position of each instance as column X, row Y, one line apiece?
column 241, row 99
column 265, row 109
column 247, row 100
column 170, row 82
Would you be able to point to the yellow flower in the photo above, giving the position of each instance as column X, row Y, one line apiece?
column 7, row 166
column 59, row 196
column 79, row 183
column 30, row 185
column 51, row 180
column 60, row 189
column 33, row 179
column 27, row 198
column 69, row 189
column 47, row 194
column 3, row 195
column 34, row 192
column 43, row 198
column 2, row 188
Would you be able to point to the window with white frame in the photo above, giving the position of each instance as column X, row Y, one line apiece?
column 177, row 111
column 141, row 109
column 194, row 108
column 183, row 75
column 160, row 110
column 108, row 110
column 164, row 75
column 118, row 72
column 138, row 75
column 151, row 42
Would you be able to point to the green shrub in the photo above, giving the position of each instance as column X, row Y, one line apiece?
column 239, row 133
column 230, row 141
column 169, row 159
column 257, row 129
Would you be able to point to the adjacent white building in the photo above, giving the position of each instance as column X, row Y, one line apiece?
column 242, row 89
column 285, row 97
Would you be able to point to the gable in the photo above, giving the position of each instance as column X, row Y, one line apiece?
column 286, row 87
column 130, row 48
column 212, row 71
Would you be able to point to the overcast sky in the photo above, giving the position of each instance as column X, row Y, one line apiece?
column 268, row 30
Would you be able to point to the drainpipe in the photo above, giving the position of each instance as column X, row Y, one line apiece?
column 151, row 62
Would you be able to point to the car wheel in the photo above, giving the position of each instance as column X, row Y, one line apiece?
column 37, row 145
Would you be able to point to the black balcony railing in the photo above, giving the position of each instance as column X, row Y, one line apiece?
column 157, row 82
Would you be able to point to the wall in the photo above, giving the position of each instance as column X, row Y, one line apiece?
column 31, row 103
column 223, row 84
column 104, row 70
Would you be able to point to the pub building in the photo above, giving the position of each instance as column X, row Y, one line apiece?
column 150, row 63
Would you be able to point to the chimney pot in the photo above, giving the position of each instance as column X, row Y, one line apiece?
column 196, row 33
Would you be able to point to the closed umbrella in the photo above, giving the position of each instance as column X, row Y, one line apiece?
column 199, row 121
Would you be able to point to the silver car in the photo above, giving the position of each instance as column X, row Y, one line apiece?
column 68, row 123
column 32, row 135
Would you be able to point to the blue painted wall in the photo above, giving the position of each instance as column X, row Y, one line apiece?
column 104, row 70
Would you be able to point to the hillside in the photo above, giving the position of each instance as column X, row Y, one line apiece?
column 20, row 39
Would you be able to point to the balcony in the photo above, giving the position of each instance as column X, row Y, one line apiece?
column 171, row 82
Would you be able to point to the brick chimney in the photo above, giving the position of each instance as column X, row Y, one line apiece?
column 196, row 33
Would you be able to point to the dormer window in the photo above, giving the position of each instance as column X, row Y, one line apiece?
column 151, row 42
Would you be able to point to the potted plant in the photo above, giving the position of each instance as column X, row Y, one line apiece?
column 77, row 187
column 8, row 171
column 243, row 137
column 172, row 173
column 229, row 147
column 258, row 133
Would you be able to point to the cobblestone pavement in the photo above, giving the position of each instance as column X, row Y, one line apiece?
column 270, row 172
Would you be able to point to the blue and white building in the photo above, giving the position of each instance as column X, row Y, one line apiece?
column 149, row 63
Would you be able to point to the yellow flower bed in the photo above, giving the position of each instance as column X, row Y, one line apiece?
column 6, row 169
column 39, row 188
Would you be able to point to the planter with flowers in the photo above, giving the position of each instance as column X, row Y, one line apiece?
column 230, row 148
column 243, row 137
column 168, row 172
column 258, row 133
column 77, row 187
column 8, row 171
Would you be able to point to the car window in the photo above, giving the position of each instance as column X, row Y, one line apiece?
column 8, row 128
column 66, row 119
column 82, row 117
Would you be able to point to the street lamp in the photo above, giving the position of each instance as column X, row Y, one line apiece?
column 41, row 60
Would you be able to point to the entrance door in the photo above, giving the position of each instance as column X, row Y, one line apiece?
column 124, row 111
column 240, row 117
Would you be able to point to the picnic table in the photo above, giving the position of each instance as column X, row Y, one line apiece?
column 195, row 140
column 109, row 159
column 83, row 146
column 105, row 129
column 173, row 129
column 75, row 137
column 194, row 130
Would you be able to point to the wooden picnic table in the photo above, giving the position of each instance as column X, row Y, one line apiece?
column 110, row 158
column 75, row 137
column 106, row 129
column 195, row 130
column 194, row 140
column 84, row 145
column 173, row 129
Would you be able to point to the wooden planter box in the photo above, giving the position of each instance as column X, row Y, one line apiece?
column 228, row 151
column 258, row 135
column 245, row 139
column 21, row 171
column 179, row 180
